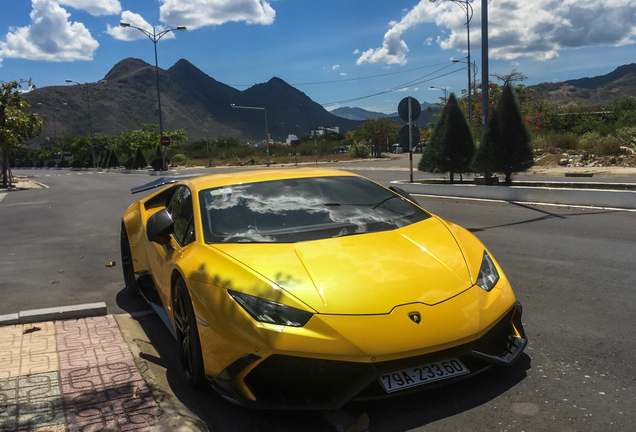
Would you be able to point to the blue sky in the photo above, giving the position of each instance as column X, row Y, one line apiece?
column 338, row 52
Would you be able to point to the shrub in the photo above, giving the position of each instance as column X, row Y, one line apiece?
column 565, row 141
column 139, row 161
column 360, row 150
column 179, row 159
column 627, row 136
column 63, row 163
column 128, row 164
column 51, row 164
column 76, row 163
column 594, row 143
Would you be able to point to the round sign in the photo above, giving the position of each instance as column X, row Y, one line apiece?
column 403, row 109
column 404, row 136
column 165, row 141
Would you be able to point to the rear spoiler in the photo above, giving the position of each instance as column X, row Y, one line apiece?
column 161, row 182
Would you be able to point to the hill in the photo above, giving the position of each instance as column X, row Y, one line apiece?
column 599, row 90
column 360, row 114
column 190, row 99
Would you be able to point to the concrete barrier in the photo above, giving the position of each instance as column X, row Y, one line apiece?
column 568, row 196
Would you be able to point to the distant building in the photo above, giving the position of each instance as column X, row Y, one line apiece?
column 292, row 140
column 321, row 130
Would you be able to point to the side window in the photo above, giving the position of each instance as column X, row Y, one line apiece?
column 180, row 208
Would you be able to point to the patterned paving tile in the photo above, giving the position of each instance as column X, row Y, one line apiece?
column 39, row 401
column 8, row 404
column 75, row 374
column 9, row 363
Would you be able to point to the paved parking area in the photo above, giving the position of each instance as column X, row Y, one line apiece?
column 75, row 375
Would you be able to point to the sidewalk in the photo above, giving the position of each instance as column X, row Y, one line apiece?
column 71, row 375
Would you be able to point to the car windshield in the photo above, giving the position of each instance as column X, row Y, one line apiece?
column 303, row 209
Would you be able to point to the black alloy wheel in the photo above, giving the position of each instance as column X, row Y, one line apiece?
column 187, row 335
column 127, row 263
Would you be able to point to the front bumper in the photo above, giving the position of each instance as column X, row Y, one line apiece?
column 282, row 381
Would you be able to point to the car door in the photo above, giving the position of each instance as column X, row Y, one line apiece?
column 162, row 259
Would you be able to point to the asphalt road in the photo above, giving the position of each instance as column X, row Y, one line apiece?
column 572, row 269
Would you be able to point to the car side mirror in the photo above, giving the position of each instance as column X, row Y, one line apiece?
column 159, row 227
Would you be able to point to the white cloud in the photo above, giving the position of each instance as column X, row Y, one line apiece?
column 128, row 34
column 517, row 28
column 50, row 36
column 343, row 74
column 356, row 52
column 94, row 7
column 334, row 67
column 199, row 13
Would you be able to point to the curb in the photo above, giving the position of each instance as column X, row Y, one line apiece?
column 619, row 199
column 54, row 314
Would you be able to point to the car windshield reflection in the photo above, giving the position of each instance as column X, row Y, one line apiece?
column 287, row 211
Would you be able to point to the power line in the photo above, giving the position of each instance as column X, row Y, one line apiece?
column 352, row 79
column 419, row 80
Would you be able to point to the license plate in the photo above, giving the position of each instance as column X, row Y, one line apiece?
column 420, row 375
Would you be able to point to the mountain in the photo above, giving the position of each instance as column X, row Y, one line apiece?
column 127, row 98
column 358, row 113
column 594, row 91
column 361, row 114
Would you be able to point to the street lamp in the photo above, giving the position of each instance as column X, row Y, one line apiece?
column 466, row 7
column 54, row 117
column 90, row 124
column 154, row 37
column 442, row 89
column 266, row 134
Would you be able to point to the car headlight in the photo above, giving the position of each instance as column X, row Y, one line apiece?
column 488, row 274
column 271, row 312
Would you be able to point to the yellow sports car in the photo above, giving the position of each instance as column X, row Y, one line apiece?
column 308, row 288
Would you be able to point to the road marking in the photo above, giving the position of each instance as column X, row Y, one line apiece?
column 2, row 196
column 589, row 207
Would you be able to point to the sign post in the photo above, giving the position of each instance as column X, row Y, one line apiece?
column 165, row 141
column 409, row 109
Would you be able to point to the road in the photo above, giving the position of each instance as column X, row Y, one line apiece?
column 572, row 269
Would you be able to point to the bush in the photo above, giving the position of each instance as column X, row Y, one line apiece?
column 76, row 163
column 139, row 161
column 179, row 159
column 128, row 164
column 627, row 136
column 360, row 150
column 51, row 164
column 63, row 164
column 565, row 141
column 594, row 143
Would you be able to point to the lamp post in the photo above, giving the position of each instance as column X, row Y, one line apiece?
column 266, row 134
column 485, row 85
column 54, row 118
column 442, row 89
column 154, row 37
column 90, row 123
column 466, row 7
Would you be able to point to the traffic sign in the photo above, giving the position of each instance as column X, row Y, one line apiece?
column 403, row 109
column 165, row 141
column 404, row 136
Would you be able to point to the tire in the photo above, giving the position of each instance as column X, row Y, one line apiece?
column 127, row 263
column 187, row 336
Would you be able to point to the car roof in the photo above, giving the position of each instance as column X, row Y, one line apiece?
column 209, row 181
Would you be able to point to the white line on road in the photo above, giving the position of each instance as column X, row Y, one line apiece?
column 2, row 196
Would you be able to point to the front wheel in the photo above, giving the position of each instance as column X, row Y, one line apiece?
column 187, row 335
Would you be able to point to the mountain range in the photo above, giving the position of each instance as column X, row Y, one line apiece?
column 127, row 98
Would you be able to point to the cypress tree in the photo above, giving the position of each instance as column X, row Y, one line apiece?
column 451, row 147
column 511, row 151
column 140, row 161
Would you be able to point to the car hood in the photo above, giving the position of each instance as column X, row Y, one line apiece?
column 364, row 274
